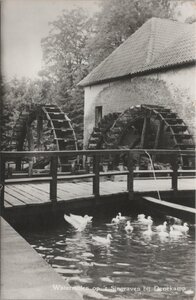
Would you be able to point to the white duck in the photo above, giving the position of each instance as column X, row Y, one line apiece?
column 147, row 221
column 148, row 231
column 121, row 218
column 115, row 220
column 80, row 218
column 182, row 228
column 174, row 233
column 102, row 240
column 141, row 216
column 128, row 227
column 162, row 227
column 79, row 225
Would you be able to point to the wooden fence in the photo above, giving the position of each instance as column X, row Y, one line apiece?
column 96, row 156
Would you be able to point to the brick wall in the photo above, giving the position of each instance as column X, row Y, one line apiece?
column 173, row 89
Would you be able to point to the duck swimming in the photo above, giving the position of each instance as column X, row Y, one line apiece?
column 80, row 218
column 116, row 220
column 174, row 233
column 78, row 223
column 149, row 230
column 141, row 216
column 147, row 221
column 182, row 228
column 162, row 233
column 128, row 227
column 102, row 240
column 162, row 227
column 121, row 218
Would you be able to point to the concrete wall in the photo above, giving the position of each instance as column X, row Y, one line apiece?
column 174, row 89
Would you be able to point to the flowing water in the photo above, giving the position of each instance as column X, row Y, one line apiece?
column 133, row 266
column 154, row 174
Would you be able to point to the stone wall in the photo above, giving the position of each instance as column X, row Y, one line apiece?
column 173, row 89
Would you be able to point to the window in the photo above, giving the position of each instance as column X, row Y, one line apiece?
column 98, row 115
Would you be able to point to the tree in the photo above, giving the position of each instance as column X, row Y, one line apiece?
column 66, row 62
column 119, row 19
column 5, row 126
column 63, row 48
column 18, row 95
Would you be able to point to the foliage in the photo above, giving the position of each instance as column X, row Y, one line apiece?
column 118, row 20
column 63, row 48
column 5, row 122
column 66, row 62
column 18, row 95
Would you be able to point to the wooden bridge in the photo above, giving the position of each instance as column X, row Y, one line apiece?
column 57, row 188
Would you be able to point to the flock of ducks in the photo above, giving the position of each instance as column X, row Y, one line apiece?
column 163, row 230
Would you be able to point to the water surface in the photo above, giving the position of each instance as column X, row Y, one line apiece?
column 132, row 267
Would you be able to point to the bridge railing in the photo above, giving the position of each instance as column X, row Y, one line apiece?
column 95, row 174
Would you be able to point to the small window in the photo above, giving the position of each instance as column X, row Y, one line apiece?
column 98, row 115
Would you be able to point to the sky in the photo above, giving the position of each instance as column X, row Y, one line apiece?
column 26, row 22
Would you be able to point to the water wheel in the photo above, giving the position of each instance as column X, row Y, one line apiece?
column 148, row 127
column 97, row 136
column 43, row 127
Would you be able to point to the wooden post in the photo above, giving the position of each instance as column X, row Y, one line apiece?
column 130, row 176
column 39, row 132
column 53, row 182
column 18, row 164
column 174, row 174
column 2, row 182
column 31, row 148
column 30, row 172
column 96, row 160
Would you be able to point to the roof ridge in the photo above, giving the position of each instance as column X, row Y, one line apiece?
column 169, row 21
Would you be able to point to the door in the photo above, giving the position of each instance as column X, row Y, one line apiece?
column 98, row 115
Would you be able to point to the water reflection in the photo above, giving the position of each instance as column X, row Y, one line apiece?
column 133, row 265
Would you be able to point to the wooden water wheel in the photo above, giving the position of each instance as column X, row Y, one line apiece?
column 96, row 138
column 43, row 127
column 147, row 127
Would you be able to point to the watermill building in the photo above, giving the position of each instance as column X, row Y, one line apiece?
column 151, row 76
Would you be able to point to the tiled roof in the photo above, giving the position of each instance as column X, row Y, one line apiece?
column 158, row 44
